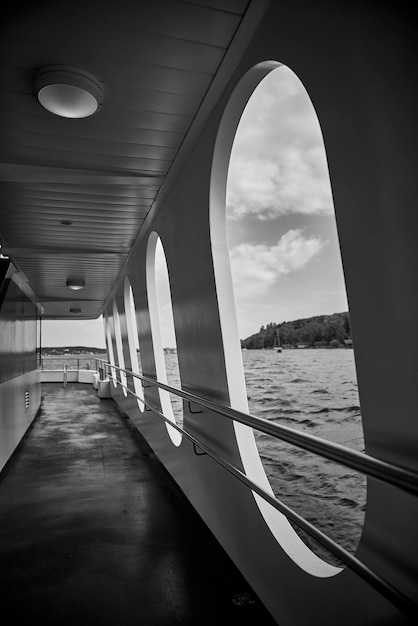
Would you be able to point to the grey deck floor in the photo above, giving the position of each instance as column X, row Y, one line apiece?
column 94, row 532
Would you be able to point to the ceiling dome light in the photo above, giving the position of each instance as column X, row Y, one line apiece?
column 76, row 283
column 67, row 91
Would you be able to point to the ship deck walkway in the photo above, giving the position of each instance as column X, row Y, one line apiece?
column 93, row 531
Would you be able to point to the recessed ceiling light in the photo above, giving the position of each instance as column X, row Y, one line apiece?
column 67, row 91
column 76, row 283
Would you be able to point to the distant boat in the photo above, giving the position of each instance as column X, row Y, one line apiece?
column 277, row 341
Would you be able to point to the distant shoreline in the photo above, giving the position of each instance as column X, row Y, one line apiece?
column 71, row 350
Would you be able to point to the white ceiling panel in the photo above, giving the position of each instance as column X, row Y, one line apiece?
column 156, row 62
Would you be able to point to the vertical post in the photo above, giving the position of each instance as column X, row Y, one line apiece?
column 40, row 341
column 65, row 375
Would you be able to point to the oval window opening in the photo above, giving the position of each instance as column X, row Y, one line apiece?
column 163, row 333
column 119, row 348
column 133, row 342
column 291, row 309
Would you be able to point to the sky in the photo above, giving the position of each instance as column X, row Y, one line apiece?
column 88, row 333
column 282, row 236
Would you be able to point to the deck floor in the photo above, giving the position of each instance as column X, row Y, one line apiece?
column 94, row 532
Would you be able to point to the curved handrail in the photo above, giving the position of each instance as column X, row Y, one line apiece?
column 386, row 589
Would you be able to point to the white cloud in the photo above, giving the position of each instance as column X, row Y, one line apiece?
column 278, row 163
column 257, row 267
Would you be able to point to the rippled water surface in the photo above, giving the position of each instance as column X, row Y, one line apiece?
column 314, row 391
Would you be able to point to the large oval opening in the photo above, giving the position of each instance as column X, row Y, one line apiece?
column 289, row 307
column 163, row 333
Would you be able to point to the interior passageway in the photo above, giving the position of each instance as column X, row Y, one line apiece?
column 93, row 531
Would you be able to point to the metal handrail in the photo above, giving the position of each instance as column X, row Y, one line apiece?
column 391, row 593
column 69, row 361
column 364, row 463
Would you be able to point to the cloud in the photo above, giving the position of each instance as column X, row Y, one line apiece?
column 278, row 163
column 257, row 267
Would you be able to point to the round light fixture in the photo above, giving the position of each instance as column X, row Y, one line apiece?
column 67, row 91
column 76, row 283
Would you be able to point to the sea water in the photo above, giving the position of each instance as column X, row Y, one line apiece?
column 314, row 391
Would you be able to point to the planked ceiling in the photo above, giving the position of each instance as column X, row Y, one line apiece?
column 157, row 62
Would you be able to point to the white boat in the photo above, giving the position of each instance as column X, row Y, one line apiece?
column 277, row 344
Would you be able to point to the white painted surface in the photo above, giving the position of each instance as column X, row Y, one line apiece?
column 104, row 389
column 57, row 376
column 86, row 376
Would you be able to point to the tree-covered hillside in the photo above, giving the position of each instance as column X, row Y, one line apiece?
column 58, row 351
column 313, row 332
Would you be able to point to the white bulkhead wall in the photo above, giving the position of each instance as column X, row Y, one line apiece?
column 354, row 79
